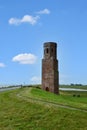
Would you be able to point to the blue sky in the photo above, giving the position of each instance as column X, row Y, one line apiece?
column 26, row 24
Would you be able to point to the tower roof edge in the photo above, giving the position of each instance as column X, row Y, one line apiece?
column 50, row 44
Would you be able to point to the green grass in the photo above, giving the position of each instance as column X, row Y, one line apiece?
column 65, row 98
column 20, row 111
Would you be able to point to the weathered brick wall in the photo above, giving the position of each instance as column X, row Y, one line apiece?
column 50, row 74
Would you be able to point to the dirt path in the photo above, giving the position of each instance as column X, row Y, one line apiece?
column 48, row 103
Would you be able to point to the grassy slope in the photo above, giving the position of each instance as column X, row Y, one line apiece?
column 18, row 112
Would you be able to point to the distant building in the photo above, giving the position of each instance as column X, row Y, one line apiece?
column 50, row 74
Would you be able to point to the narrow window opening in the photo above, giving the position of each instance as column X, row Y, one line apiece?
column 47, row 50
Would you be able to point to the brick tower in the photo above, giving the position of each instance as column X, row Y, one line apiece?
column 50, row 74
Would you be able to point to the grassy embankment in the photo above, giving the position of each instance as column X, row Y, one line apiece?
column 29, row 109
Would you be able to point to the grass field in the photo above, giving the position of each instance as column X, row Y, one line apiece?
column 77, row 86
column 35, row 109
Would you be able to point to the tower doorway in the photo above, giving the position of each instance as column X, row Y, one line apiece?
column 47, row 89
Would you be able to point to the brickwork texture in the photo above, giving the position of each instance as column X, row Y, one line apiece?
column 50, row 73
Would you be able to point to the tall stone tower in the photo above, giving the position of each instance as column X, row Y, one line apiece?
column 50, row 74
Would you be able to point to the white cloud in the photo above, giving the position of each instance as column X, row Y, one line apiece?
column 45, row 11
column 28, row 18
column 36, row 80
column 2, row 65
column 32, row 20
column 14, row 21
column 25, row 58
column 25, row 19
